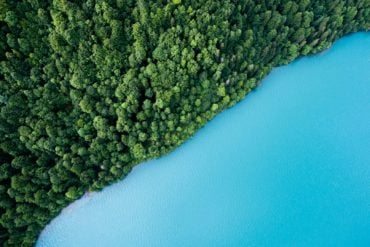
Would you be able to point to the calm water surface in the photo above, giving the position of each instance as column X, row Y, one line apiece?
column 288, row 166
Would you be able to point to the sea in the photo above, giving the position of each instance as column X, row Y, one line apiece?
column 287, row 166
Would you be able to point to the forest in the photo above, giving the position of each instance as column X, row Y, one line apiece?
column 88, row 89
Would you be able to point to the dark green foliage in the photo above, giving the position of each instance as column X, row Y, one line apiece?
column 90, row 88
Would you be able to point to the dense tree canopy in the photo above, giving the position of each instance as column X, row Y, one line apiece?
column 90, row 88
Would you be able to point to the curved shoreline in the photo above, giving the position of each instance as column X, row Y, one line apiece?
column 206, row 137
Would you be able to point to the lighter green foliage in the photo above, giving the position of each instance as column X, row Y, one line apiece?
column 88, row 89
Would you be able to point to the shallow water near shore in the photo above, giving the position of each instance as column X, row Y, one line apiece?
column 287, row 166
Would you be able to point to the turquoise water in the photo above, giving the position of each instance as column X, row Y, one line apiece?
column 288, row 166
